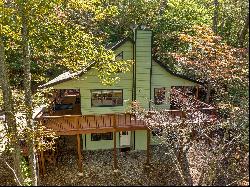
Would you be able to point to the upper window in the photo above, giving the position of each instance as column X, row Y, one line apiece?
column 119, row 56
column 101, row 98
column 159, row 96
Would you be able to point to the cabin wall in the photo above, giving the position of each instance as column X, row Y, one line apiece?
column 102, row 144
column 138, row 141
column 90, row 81
column 141, row 140
column 162, row 78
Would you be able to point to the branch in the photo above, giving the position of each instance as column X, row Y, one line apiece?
column 237, row 181
column 18, row 181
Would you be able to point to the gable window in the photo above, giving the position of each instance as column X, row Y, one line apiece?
column 102, row 98
column 101, row 136
column 119, row 56
column 159, row 96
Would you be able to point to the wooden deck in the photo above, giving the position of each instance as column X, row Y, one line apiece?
column 64, row 117
column 68, row 120
column 79, row 124
column 82, row 124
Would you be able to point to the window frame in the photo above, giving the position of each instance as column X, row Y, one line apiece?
column 162, row 102
column 101, row 136
column 92, row 90
column 97, row 135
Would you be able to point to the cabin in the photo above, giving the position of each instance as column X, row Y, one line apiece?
column 98, row 116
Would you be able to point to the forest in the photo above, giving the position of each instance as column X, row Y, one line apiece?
column 206, row 40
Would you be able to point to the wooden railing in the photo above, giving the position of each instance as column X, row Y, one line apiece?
column 89, row 123
column 74, row 124
column 202, row 115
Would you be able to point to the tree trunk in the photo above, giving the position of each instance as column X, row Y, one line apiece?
column 243, row 32
column 209, row 87
column 9, row 114
column 215, row 17
column 28, row 93
column 185, row 168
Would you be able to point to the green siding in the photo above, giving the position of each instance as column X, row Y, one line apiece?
column 162, row 78
column 143, row 66
column 141, row 140
column 90, row 81
column 127, row 49
column 102, row 144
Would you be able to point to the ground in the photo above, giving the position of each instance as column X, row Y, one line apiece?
column 98, row 169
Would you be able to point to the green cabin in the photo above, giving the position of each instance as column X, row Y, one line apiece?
column 85, row 97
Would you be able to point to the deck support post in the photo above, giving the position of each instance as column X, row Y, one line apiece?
column 115, row 149
column 148, row 147
column 42, row 163
column 197, row 92
column 79, row 153
column 115, row 152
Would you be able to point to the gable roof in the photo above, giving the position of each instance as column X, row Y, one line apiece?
column 113, row 46
column 66, row 77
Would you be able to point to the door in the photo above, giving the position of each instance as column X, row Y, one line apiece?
column 125, row 138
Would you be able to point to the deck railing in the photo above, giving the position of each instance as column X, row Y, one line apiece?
column 68, row 123
column 108, row 122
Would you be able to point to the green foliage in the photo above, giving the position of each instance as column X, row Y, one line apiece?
column 56, row 39
column 232, row 18
column 68, row 35
column 1, row 98
column 26, row 172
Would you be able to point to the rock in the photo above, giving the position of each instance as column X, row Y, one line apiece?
column 80, row 174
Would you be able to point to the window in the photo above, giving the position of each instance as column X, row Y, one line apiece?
column 119, row 56
column 63, row 107
column 101, row 98
column 101, row 136
column 159, row 96
column 107, row 136
column 95, row 137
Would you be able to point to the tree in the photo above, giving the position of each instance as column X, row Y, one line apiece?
column 198, row 140
column 27, row 90
column 66, row 50
column 223, row 66
column 10, row 120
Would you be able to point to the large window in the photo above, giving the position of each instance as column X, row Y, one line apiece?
column 101, row 136
column 159, row 96
column 101, row 98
